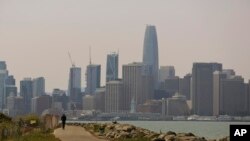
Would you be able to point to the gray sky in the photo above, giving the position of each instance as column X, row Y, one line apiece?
column 35, row 35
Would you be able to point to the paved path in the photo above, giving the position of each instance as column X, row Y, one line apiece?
column 74, row 133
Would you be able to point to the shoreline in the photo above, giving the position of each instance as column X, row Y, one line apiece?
column 117, row 131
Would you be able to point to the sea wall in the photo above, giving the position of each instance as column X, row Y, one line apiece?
column 116, row 132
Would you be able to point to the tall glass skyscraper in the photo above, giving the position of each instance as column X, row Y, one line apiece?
column 93, row 78
column 112, row 67
column 150, row 51
column 74, row 89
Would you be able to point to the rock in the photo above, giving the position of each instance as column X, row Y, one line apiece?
column 169, row 138
column 128, row 128
column 225, row 139
column 171, row 133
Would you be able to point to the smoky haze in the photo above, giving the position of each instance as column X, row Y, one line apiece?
column 35, row 35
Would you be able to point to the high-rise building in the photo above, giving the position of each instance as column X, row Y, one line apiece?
column 112, row 67
column 177, row 106
column 217, row 77
column 202, row 87
column 166, row 72
column 10, row 88
column 171, row 85
column 114, row 96
column 100, row 99
column 59, row 97
column 3, row 76
column 74, row 89
column 3, row 65
column 185, row 86
column 15, row 105
column 93, row 78
column 26, row 91
column 150, row 51
column 41, row 103
column 38, row 86
column 138, row 84
column 233, row 99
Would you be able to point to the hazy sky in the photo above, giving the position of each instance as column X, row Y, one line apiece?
column 35, row 35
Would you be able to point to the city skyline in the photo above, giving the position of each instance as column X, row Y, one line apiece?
column 36, row 44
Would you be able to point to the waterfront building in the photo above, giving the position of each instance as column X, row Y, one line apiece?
column 202, row 87
column 233, row 100
column 112, row 67
column 26, row 91
column 93, row 78
column 138, row 84
column 166, row 72
column 150, row 106
column 100, row 99
column 177, row 106
column 38, row 86
column 217, row 77
column 114, row 96
column 150, row 52
column 88, row 102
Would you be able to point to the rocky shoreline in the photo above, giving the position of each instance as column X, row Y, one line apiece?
column 118, row 132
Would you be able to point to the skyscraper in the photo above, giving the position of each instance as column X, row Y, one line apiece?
column 138, row 84
column 150, row 51
column 112, row 67
column 166, row 72
column 38, row 86
column 114, row 96
column 26, row 90
column 3, row 76
column 202, row 87
column 10, row 88
column 93, row 78
column 74, row 89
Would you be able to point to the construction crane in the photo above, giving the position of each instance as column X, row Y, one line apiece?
column 72, row 63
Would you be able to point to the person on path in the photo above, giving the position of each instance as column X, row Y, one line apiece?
column 63, row 119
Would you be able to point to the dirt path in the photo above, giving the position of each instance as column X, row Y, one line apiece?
column 74, row 133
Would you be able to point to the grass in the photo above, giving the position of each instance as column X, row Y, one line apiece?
column 36, row 136
column 26, row 128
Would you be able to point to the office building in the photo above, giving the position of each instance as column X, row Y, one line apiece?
column 15, row 105
column 93, row 78
column 150, row 52
column 166, row 72
column 3, row 76
column 233, row 98
column 138, row 84
column 41, row 103
column 100, row 99
column 38, row 86
column 112, row 67
column 26, row 91
column 177, row 106
column 10, row 88
column 59, row 99
column 171, row 85
column 88, row 102
column 74, row 89
column 185, row 86
column 114, row 96
column 202, row 87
